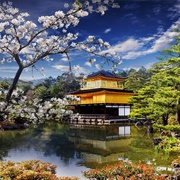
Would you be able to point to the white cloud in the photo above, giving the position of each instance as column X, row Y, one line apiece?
column 164, row 40
column 149, row 65
column 78, row 70
column 64, row 59
column 160, row 30
column 61, row 67
column 133, row 54
column 8, row 69
column 133, row 48
column 26, row 50
column 129, row 45
column 107, row 30
column 147, row 39
column 87, row 63
column 174, row 11
column 157, row 10
column 90, row 62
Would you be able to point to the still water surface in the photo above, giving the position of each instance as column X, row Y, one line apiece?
column 76, row 149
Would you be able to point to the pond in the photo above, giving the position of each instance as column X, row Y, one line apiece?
column 76, row 148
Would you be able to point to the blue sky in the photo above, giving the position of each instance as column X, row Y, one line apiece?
column 137, row 31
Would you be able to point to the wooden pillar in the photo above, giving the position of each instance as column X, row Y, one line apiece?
column 104, row 106
column 92, row 109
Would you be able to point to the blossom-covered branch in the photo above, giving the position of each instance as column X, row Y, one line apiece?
column 25, row 42
column 35, row 110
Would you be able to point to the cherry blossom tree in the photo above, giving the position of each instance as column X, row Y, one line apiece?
column 35, row 110
column 25, row 42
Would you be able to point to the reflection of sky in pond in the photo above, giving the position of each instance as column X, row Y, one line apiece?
column 63, row 169
column 74, row 150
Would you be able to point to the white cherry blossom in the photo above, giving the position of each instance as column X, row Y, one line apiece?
column 107, row 45
column 35, row 110
column 66, row 5
column 27, row 42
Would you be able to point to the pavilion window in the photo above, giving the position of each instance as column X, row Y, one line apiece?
column 124, row 110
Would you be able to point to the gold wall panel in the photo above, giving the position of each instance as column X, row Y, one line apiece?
column 112, row 84
column 104, row 97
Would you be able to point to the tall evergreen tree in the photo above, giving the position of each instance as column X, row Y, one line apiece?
column 161, row 95
column 137, row 79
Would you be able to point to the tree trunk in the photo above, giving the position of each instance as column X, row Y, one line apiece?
column 178, row 107
column 178, row 112
column 13, row 86
column 165, row 119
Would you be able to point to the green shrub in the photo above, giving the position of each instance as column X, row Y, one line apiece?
column 169, row 141
column 168, row 128
column 172, row 120
column 169, row 145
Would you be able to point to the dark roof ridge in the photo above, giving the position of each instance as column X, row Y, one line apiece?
column 104, row 73
column 100, row 89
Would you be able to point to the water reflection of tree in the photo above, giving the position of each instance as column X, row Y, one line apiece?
column 142, row 149
column 10, row 140
column 51, row 139
column 54, row 139
column 61, row 147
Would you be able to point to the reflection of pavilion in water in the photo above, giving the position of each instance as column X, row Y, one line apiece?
column 103, row 144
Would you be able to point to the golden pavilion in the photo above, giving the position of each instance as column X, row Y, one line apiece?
column 103, row 93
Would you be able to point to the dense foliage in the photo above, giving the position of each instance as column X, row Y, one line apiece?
column 38, row 170
column 124, row 170
column 28, row 170
column 168, row 145
column 137, row 79
column 56, row 87
column 169, row 139
column 159, row 97
column 168, row 128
